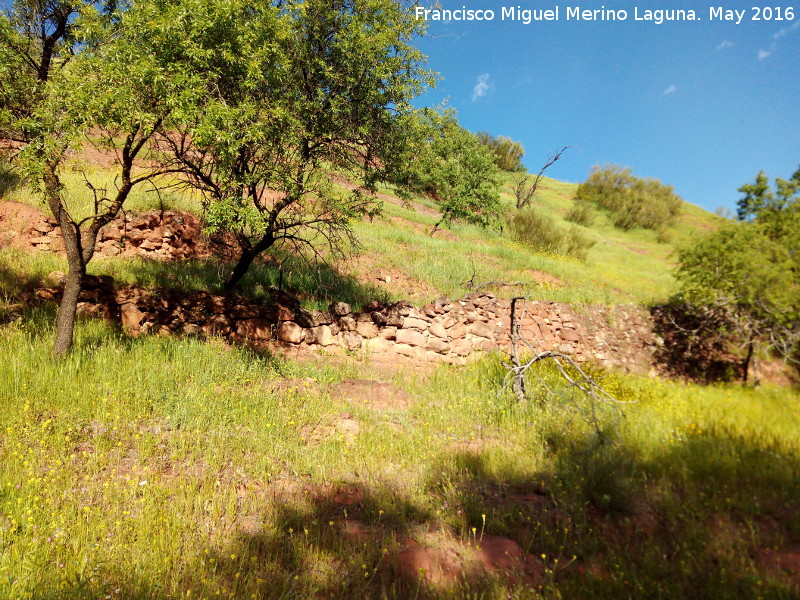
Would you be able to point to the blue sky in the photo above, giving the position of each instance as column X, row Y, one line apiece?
column 700, row 105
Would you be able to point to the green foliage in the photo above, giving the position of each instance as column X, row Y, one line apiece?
column 630, row 200
column 581, row 213
column 507, row 153
column 457, row 170
column 302, row 91
column 541, row 233
column 749, row 271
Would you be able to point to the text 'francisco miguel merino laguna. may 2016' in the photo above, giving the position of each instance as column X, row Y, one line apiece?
column 657, row 16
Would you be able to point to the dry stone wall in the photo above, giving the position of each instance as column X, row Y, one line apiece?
column 442, row 331
column 167, row 235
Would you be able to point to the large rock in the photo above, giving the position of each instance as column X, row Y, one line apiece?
column 352, row 341
column 255, row 329
column 341, row 309
column 217, row 325
column 410, row 337
column 437, row 345
column 290, row 332
column 131, row 316
column 366, row 330
column 323, row 336
column 481, row 329
column 415, row 323
column 438, row 330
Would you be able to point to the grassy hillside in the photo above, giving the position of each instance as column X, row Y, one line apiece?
column 157, row 468
column 622, row 267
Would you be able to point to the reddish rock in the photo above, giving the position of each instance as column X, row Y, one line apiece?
column 131, row 316
column 347, row 324
column 290, row 332
column 481, row 329
column 340, row 309
column 352, row 341
column 255, row 329
column 437, row 345
column 323, row 336
column 415, row 323
column 438, row 330
column 366, row 330
column 461, row 347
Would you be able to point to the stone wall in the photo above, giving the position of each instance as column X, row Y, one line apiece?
column 167, row 235
column 443, row 331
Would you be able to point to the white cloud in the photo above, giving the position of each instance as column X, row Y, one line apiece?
column 671, row 89
column 786, row 31
column 762, row 54
column 724, row 44
column 482, row 87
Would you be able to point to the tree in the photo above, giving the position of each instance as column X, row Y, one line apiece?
column 116, row 83
column 456, row 169
column 507, row 153
column 746, row 275
column 631, row 201
column 308, row 92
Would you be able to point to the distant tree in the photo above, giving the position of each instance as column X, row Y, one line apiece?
column 524, row 191
column 322, row 92
column 746, row 275
column 507, row 153
column 456, row 169
column 631, row 201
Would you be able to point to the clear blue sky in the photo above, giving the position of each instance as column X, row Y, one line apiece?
column 701, row 105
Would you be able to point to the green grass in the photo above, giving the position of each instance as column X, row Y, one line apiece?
column 173, row 468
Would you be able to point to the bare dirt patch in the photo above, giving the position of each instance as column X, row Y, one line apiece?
column 367, row 272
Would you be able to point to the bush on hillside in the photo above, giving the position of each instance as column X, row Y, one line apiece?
column 541, row 233
column 630, row 201
column 507, row 153
column 581, row 213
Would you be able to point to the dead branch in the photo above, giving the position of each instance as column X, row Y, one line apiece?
column 577, row 379
column 524, row 193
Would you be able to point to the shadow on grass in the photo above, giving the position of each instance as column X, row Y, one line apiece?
column 316, row 286
column 712, row 517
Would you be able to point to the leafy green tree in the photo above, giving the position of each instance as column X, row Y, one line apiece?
column 630, row 201
column 118, row 80
column 507, row 153
column 457, row 170
column 305, row 93
column 746, row 275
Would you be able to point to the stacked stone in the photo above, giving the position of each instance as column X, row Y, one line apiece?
column 442, row 331
column 171, row 235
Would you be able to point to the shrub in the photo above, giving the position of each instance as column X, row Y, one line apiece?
column 507, row 153
column 630, row 201
column 581, row 213
column 541, row 233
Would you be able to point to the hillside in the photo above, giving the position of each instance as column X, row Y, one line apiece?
column 398, row 259
column 154, row 467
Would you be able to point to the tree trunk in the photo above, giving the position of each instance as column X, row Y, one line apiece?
column 747, row 360
column 246, row 259
column 65, row 322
